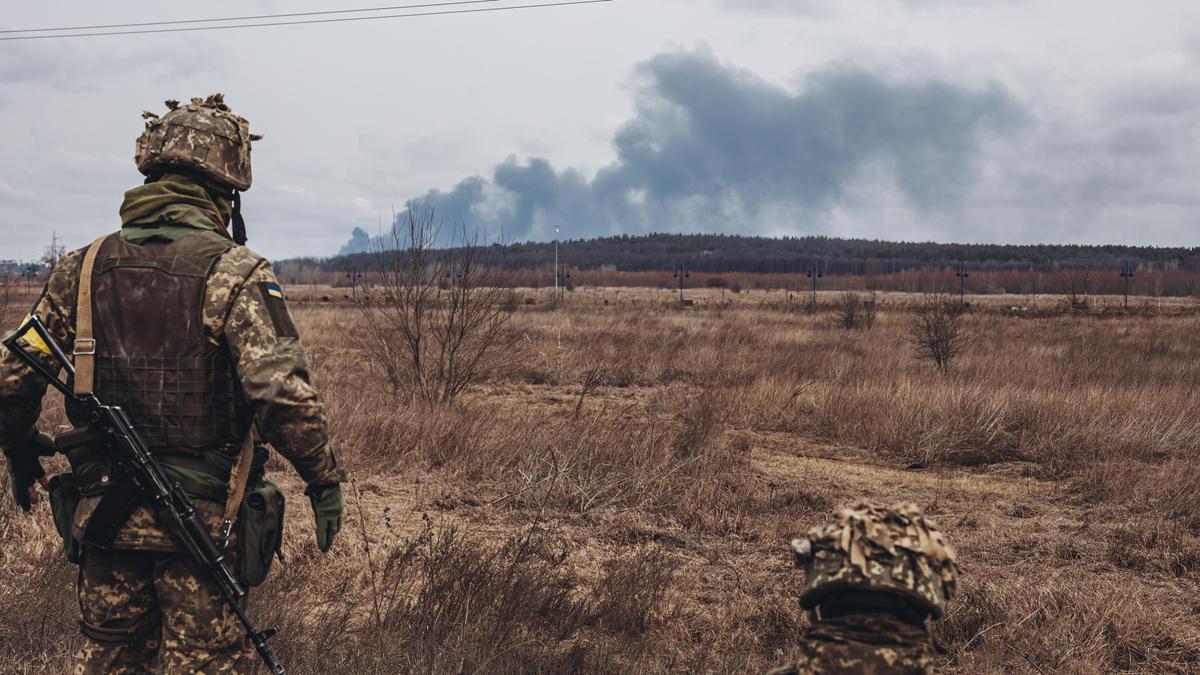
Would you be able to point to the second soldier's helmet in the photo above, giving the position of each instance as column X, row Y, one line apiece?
column 204, row 136
column 892, row 549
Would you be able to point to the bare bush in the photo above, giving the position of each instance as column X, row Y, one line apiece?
column 435, row 320
column 8, row 292
column 855, row 312
column 444, row 602
column 936, row 331
column 593, row 377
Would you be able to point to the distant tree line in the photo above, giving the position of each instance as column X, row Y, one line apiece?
column 724, row 253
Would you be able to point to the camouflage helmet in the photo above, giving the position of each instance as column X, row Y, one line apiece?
column 892, row 549
column 204, row 136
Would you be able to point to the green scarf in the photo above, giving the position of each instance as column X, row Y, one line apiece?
column 172, row 207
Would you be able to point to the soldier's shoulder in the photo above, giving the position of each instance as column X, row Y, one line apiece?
column 234, row 268
column 68, row 264
column 240, row 259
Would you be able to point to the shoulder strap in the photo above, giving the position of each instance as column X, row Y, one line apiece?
column 239, row 478
column 85, row 341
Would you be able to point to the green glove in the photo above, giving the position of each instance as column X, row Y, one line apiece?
column 327, row 505
column 24, row 468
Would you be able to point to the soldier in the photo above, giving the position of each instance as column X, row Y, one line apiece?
column 874, row 577
column 187, row 330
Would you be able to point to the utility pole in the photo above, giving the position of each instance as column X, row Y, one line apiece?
column 1127, row 274
column 556, row 269
column 814, row 273
column 962, row 275
column 53, row 252
column 681, row 273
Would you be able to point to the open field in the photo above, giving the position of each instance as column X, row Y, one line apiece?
column 642, row 525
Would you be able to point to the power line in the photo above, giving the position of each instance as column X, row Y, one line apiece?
column 243, row 18
column 308, row 21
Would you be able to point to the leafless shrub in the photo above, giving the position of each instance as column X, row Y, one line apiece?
column 855, row 312
column 1078, row 284
column 435, row 319
column 936, row 331
column 8, row 292
column 593, row 377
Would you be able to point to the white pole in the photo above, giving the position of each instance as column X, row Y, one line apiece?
column 556, row 265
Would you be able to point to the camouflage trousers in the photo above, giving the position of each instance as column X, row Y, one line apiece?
column 147, row 612
column 862, row 644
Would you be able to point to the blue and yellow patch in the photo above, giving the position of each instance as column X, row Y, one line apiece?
column 272, row 297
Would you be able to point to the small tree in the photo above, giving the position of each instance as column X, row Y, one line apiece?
column 436, row 315
column 853, row 311
column 936, row 330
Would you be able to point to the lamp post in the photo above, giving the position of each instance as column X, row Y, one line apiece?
column 562, row 278
column 814, row 273
column 681, row 273
column 962, row 275
column 1127, row 274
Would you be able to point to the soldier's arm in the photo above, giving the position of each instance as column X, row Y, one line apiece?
column 22, row 389
column 274, row 374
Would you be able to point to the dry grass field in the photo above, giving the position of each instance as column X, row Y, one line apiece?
column 618, row 494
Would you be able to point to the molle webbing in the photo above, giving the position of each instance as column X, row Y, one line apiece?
column 183, row 403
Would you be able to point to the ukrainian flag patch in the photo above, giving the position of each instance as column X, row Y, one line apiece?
column 272, row 298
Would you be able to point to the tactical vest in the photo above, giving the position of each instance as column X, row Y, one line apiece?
column 154, row 357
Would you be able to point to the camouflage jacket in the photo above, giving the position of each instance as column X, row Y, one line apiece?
column 272, row 370
column 862, row 644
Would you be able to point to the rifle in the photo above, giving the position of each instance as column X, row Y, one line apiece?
column 110, row 428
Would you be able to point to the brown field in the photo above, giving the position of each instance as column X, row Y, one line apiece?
column 642, row 527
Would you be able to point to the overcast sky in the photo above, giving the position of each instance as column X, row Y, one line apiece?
column 952, row 120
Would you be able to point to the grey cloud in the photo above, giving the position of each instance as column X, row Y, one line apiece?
column 71, row 66
column 715, row 148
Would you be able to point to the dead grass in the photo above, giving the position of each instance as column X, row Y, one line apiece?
column 644, row 530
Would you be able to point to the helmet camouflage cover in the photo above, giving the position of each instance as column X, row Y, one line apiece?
column 204, row 136
column 892, row 549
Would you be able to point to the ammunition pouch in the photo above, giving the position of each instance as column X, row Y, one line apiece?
column 259, row 532
column 64, row 498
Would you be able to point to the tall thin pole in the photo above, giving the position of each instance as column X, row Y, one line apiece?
column 814, row 273
column 681, row 273
column 556, row 264
column 962, row 284
column 1127, row 273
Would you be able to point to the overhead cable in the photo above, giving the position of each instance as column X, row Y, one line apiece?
column 476, row 10
column 143, row 24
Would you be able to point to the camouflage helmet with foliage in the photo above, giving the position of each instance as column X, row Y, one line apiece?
column 892, row 549
column 203, row 136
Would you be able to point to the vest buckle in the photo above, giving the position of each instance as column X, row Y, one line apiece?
column 85, row 348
